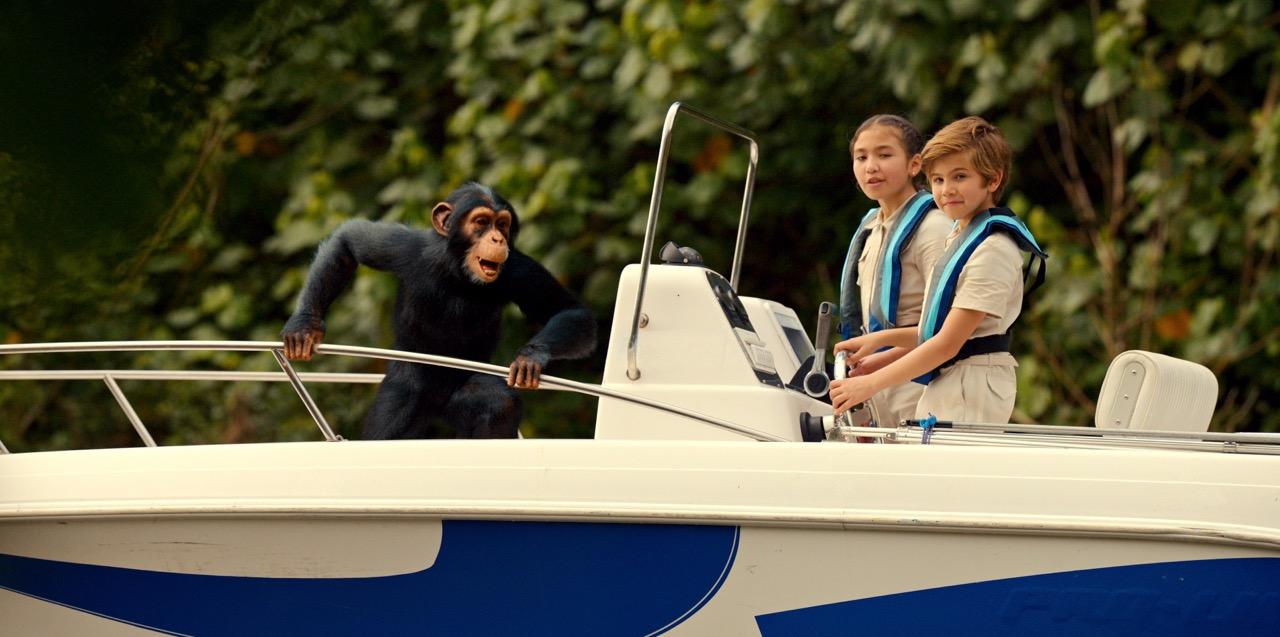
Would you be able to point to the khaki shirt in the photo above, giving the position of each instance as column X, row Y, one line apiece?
column 991, row 282
column 982, row 388
column 918, row 257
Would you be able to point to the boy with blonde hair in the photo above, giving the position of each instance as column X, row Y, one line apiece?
column 974, row 293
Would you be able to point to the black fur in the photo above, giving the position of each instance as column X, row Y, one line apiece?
column 440, row 310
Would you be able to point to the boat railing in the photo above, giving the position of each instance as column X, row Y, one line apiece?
column 289, row 374
column 951, row 433
column 1064, row 437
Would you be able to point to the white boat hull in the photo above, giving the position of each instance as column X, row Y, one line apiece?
column 599, row 537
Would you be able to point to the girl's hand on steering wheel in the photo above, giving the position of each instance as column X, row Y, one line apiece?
column 847, row 393
column 858, row 347
column 872, row 363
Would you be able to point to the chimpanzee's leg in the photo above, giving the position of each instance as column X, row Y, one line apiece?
column 397, row 411
column 484, row 407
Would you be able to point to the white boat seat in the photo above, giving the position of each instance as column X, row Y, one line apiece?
column 1145, row 390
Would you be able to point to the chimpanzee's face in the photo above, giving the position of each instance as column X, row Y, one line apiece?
column 489, row 234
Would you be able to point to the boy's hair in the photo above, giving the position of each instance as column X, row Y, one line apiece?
column 911, row 138
column 986, row 146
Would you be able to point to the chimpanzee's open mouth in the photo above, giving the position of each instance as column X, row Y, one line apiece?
column 490, row 268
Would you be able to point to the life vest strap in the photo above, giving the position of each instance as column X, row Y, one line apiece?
column 1028, row 285
column 979, row 346
column 887, row 268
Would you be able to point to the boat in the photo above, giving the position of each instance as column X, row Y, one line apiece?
column 718, row 496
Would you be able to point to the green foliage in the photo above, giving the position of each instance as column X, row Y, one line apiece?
column 1148, row 161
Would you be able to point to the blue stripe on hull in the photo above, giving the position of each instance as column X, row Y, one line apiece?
column 527, row 578
column 1204, row 597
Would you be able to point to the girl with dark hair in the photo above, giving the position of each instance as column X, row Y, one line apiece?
column 892, row 252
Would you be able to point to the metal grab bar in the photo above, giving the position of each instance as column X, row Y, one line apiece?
column 659, row 180
column 1069, row 437
column 345, row 350
column 1095, row 432
column 177, row 374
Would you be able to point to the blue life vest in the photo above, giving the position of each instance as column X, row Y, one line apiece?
column 946, row 276
column 888, row 268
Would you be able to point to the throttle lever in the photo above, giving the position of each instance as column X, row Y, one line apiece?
column 816, row 382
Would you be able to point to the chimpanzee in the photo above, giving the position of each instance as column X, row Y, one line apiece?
column 454, row 283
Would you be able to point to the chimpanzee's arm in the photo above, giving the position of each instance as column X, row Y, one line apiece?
column 383, row 246
column 569, row 329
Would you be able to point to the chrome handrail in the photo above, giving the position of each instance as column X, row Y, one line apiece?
column 276, row 348
column 1065, row 437
column 1035, row 435
column 659, row 180
column 177, row 374
column 1113, row 432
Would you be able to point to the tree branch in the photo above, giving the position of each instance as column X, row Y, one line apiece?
column 212, row 141
column 1067, row 380
column 1231, row 417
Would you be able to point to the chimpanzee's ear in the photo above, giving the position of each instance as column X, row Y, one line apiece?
column 440, row 217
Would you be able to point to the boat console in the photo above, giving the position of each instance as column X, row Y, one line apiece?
column 704, row 348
